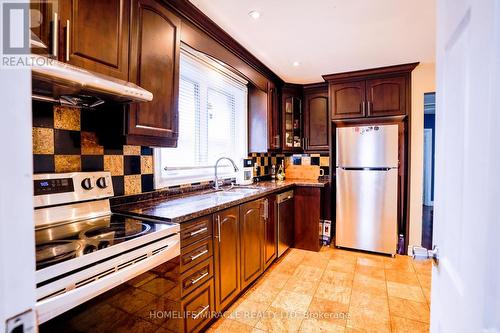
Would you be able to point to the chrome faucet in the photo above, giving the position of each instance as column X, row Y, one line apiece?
column 216, row 179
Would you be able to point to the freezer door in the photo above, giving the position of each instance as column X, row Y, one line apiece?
column 367, row 146
column 366, row 214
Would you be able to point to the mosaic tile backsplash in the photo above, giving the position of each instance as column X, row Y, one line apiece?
column 63, row 141
column 266, row 160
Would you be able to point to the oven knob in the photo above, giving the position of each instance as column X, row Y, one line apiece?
column 101, row 182
column 103, row 244
column 87, row 184
column 89, row 249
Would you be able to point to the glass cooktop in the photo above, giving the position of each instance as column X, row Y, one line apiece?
column 67, row 241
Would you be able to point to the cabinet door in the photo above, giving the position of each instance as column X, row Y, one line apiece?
column 316, row 121
column 226, row 257
column 252, row 241
column 96, row 35
column 274, row 117
column 258, row 120
column 386, row 97
column 348, row 100
column 154, row 65
column 270, row 230
column 307, row 201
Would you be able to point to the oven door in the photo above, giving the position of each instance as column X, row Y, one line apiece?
column 137, row 294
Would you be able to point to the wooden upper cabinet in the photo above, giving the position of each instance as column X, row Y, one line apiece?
column 96, row 35
column 377, row 92
column 226, row 256
column 258, row 120
column 316, row 120
column 386, row 96
column 347, row 100
column 154, row 65
column 273, row 116
column 252, row 241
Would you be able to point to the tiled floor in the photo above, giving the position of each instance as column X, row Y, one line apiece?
column 335, row 291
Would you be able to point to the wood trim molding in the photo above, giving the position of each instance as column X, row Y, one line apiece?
column 196, row 17
column 396, row 69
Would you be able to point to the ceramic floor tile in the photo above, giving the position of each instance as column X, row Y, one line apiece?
column 279, row 321
column 248, row 312
column 341, row 266
column 338, row 278
column 405, row 291
column 292, row 302
column 401, row 277
column 326, row 310
column 301, row 286
column 372, row 272
column 308, row 273
column 333, row 293
column 405, row 308
column 371, row 262
column 403, row 325
column 311, row 325
column 367, row 284
column 230, row 326
column 369, row 301
column 425, row 280
column 369, row 321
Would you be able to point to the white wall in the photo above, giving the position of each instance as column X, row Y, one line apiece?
column 423, row 80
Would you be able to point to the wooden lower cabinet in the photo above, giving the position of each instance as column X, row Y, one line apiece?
column 198, row 307
column 307, row 201
column 252, row 222
column 226, row 256
column 270, row 232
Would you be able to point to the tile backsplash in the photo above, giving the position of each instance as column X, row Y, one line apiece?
column 63, row 141
column 266, row 160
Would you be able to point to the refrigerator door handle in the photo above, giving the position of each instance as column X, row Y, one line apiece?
column 366, row 169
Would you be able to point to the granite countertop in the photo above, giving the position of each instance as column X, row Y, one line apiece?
column 185, row 207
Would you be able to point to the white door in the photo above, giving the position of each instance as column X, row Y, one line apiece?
column 466, row 282
column 17, row 236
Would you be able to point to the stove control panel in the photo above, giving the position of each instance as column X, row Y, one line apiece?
column 60, row 188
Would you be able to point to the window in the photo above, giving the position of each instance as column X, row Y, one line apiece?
column 212, row 123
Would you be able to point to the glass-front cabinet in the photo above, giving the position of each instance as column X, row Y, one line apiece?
column 292, row 119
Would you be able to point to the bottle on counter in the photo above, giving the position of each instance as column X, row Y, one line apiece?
column 281, row 171
column 256, row 171
column 273, row 172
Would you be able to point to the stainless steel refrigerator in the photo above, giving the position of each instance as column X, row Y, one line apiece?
column 367, row 188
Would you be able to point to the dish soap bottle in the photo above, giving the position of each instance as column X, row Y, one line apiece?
column 273, row 172
column 281, row 171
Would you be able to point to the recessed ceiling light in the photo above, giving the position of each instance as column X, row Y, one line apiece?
column 296, row 64
column 254, row 14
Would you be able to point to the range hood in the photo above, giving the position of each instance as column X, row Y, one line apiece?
column 55, row 81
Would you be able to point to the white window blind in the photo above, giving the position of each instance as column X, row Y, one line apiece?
column 212, row 123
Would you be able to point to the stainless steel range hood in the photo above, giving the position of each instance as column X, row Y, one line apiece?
column 56, row 81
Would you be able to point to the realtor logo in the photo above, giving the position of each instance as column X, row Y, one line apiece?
column 18, row 18
column 15, row 28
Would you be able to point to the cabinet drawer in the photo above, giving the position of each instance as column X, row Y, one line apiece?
column 196, row 276
column 196, row 230
column 197, row 308
column 193, row 254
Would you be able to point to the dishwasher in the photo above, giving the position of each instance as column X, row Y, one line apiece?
column 285, row 205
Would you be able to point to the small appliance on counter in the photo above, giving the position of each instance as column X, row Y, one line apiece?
column 245, row 175
column 83, row 249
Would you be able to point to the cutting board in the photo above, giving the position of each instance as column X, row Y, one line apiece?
column 302, row 172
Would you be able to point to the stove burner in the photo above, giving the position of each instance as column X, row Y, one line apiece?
column 56, row 251
column 118, row 231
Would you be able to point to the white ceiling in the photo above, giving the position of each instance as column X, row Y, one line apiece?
column 328, row 36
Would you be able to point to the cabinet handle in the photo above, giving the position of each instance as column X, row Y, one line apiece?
column 196, row 256
column 199, row 231
column 266, row 209
column 199, row 278
column 218, row 228
column 363, row 107
column 67, row 40
column 205, row 308
column 55, row 35
column 369, row 108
